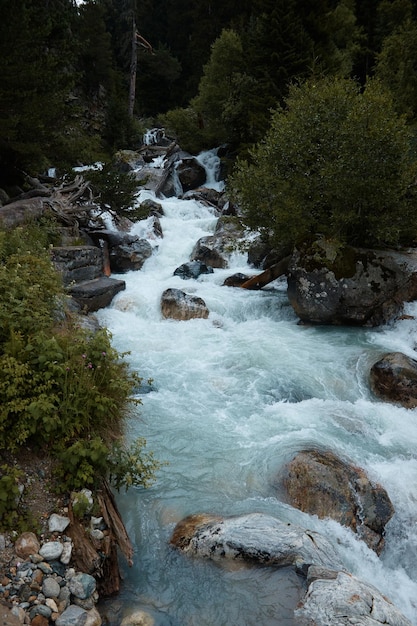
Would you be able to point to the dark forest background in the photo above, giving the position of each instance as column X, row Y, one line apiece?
column 215, row 71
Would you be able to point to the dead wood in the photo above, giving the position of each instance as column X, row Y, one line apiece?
column 100, row 557
column 70, row 202
column 113, row 520
column 273, row 272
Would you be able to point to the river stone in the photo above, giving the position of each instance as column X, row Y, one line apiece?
column 394, row 379
column 50, row 588
column 66, row 553
column 26, row 544
column 51, row 550
column 175, row 304
column 321, row 484
column 138, row 618
column 191, row 173
column 58, row 523
column 82, row 585
column 129, row 253
column 192, row 269
column 72, row 616
column 236, row 280
column 214, row 250
column 7, row 618
column 256, row 538
column 347, row 601
column 93, row 618
column 327, row 285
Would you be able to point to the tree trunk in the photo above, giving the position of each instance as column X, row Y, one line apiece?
column 273, row 272
column 133, row 68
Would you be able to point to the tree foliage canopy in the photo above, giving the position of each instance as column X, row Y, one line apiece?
column 336, row 163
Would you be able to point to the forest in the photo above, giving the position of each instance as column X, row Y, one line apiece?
column 211, row 71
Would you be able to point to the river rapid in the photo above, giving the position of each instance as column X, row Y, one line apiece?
column 233, row 398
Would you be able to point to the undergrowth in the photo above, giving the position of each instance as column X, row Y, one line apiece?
column 63, row 389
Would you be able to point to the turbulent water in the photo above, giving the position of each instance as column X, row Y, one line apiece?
column 233, row 398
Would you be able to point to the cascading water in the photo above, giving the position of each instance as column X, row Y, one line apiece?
column 233, row 398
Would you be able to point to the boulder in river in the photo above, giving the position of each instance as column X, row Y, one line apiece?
column 191, row 173
column 329, row 285
column 192, row 269
column 257, row 538
column 394, row 378
column 343, row 600
column 215, row 250
column 177, row 305
column 321, row 484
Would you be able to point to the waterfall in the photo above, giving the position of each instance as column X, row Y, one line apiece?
column 233, row 398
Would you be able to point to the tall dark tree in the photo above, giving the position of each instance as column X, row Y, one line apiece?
column 36, row 74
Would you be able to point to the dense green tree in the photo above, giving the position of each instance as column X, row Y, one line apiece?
column 397, row 67
column 336, row 163
column 36, row 74
column 95, row 50
column 217, row 90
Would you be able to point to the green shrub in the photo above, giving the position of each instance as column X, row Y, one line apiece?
column 336, row 163
column 133, row 466
column 62, row 388
column 9, row 497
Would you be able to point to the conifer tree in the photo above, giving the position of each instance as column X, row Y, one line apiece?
column 36, row 74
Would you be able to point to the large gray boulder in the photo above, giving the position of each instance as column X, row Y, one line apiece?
column 255, row 537
column 214, row 250
column 177, row 305
column 328, row 285
column 394, row 379
column 96, row 294
column 126, row 252
column 191, row 173
column 78, row 263
column 321, row 484
column 343, row 600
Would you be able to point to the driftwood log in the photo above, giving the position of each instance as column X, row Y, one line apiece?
column 273, row 272
column 100, row 557
column 69, row 201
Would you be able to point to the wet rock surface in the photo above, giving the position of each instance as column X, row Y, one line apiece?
column 394, row 379
column 321, row 484
column 344, row 600
column 255, row 537
column 175, row 304
column 333, row 596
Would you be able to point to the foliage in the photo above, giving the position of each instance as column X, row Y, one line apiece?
column 397, row 67
column 186, row 126
column 115, row 189
column 9, row 497
column 60, row 385
column 132, row 466
column 336, row 163
column 37, row 51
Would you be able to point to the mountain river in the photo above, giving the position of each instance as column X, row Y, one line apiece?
column 233, row 398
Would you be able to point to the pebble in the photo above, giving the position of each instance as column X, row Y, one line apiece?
column 42, row 587
column 58, row 523
column 50, row 588
column 51, row 550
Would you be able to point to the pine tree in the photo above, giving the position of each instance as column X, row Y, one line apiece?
column 36, row 74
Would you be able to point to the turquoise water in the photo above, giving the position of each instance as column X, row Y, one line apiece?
column 234, row 397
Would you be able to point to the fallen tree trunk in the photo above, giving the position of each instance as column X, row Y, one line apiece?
column 99, row 557
column 273, row 272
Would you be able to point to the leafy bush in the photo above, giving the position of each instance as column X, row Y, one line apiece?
column 132, row 466
column 61, row 386
column 337, row 163
column 9, row 497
